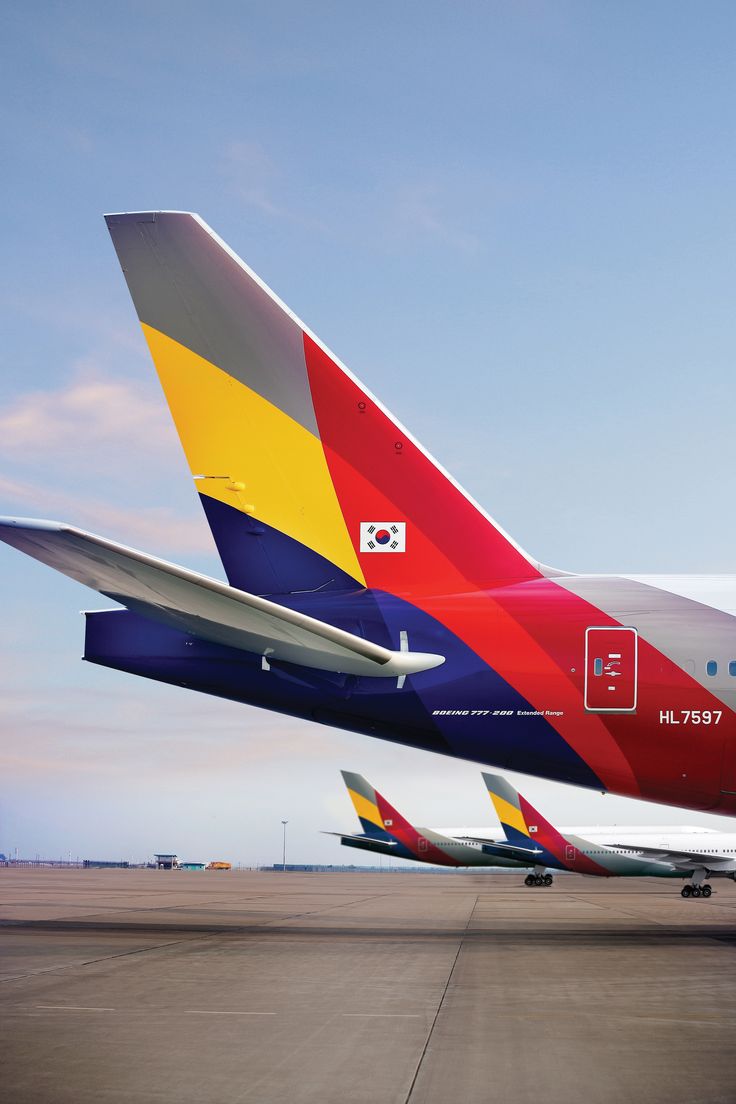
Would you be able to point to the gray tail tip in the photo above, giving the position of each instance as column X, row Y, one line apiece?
column 495, row 781
column 119, row 218
column 350, row 777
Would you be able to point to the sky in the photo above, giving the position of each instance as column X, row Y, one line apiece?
column 514, row 222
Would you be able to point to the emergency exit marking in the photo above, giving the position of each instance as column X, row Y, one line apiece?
column 610, row 669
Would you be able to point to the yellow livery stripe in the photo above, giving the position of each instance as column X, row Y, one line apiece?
column 365, row 808
column 509, row 814
column 265, row 463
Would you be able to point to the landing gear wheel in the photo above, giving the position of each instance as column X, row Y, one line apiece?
column 539, row 880
column 696, row 891
column 529, row 880
column 548, row 879
column 706, row 891
column 686, row 891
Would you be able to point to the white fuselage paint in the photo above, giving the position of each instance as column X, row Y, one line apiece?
column 717, row 848
column 716, row 591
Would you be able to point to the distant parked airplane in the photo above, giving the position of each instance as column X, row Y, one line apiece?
column 613, row 851
column 387, row 832
column 531, row 841
column 366, row 589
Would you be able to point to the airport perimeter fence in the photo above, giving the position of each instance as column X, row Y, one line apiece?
column 425, row 868
column 72, row 864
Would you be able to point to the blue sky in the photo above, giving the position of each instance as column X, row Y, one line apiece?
column 515, row 222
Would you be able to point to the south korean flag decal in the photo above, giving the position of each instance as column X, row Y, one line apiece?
column 383, row 536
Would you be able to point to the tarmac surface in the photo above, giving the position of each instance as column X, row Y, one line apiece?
column 209, row 988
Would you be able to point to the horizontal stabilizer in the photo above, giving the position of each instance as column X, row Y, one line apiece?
column 506, row 850
column 361, row 839
column 204, row 607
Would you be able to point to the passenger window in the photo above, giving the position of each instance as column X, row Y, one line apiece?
column 597, row 666
column 711, row 668
column 732, row 667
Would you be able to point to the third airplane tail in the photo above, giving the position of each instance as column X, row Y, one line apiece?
column 521, row 822
column 526, row 829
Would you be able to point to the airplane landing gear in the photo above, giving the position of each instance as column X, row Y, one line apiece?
column 696, row 890
column 538, row 880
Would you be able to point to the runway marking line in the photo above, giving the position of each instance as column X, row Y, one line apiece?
column 220, row 1012
column 427, row 1041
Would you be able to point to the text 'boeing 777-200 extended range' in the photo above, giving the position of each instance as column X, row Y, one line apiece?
column 365, row 589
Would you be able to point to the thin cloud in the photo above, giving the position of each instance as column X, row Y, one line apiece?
column 96, row 734
column 252, row 173
column 81, row 309
column 156, row 528
column 418, row 210
column 78, row 139
column 255, row 179
column 94, row 408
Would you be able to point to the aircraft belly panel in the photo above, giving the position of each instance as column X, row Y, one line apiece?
column 518, row 737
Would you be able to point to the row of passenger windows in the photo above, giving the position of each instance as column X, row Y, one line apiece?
column 711, row 668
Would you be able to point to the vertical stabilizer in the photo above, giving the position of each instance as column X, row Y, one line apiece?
column 520, row 821
column 307, row 481
column 365, row 803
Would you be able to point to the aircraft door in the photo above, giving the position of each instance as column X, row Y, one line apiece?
column 611, row 668
column 421, row 844
column 571, row 854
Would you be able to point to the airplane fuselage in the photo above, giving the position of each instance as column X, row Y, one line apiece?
column 610, row 852
column 615, row 683
column 529, row 841
column 606, row 852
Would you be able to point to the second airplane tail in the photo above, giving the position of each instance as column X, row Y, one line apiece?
column 365, row 803
column 381, row 821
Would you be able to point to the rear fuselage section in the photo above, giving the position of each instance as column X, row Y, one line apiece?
column 606, row 682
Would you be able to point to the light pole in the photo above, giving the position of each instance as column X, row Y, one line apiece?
column 283, row 865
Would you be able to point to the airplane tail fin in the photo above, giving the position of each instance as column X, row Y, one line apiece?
column 307, row 481
column 365, row 802
column 520, row 821
column 381, row 821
